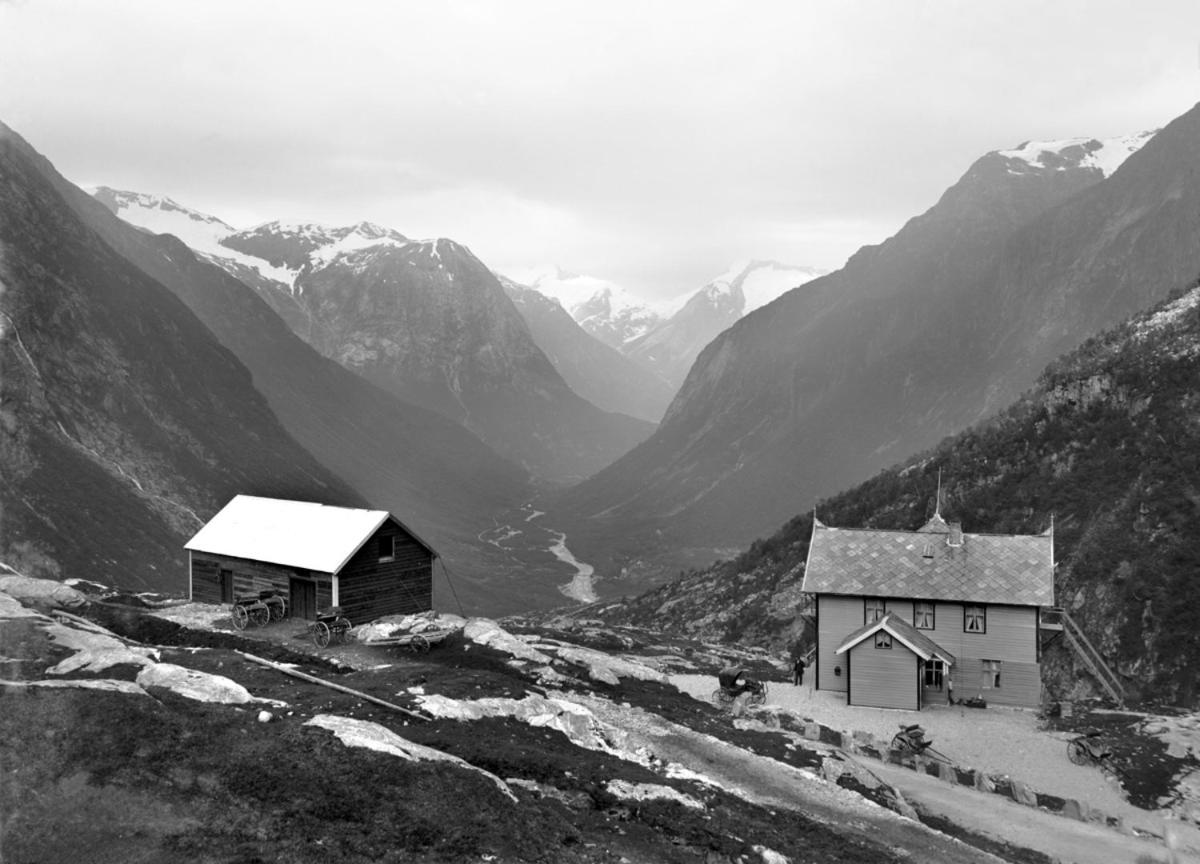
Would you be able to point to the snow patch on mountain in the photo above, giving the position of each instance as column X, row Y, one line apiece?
column 1104, row 155
column 608, row 311
column 207, row 235
column 760, row 281
column 199, row 231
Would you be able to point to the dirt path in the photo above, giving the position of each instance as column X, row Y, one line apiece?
column 770, row 783
column 1069, row 841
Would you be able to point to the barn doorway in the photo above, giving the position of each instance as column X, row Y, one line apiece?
column 225, row 577
column 302, row 598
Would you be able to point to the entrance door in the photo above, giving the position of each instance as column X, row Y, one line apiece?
column 302, row 599
column 225, row 577
column 933, row 682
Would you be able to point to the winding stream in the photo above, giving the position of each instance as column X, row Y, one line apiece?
column 579, row 588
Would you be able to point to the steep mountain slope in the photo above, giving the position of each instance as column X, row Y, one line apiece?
column 125, row 422
column 429, row 471
column 672, row 346
column 594, row 370
column 424, row 320
column 947, row 321
column 1107, row 445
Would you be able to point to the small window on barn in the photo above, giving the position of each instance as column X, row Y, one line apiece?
column 923, row 616
column 387, row 548
column 935, row 672
column 872, row 609
column 883, row 639
column 974, row 619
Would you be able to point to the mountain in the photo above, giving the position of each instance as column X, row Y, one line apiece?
column 1029, row 253
column 431, row 472
column 672, row 346
column 597, row 372
column 612, row 314
column 126, row 423
column 424, row 320
column 1106, row 445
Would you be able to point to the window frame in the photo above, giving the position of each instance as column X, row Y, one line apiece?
column 932, row 614
column 982, row 618
column 882, row 609
column 935, row 669
column 883, row 639
column 390, row 541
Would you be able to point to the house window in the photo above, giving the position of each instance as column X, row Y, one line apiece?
column 873, row 609
column 923, row 616
column 991, row 674
column 935, row 674
column 387, row 548
column 883, row 639
column 974, row 619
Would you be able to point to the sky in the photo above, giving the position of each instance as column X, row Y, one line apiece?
column 650, row 143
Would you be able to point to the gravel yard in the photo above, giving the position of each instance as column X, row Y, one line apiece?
column 996, row 740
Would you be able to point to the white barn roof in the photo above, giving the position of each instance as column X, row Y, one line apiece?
column 293, row 533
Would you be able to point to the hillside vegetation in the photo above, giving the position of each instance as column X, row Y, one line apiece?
column 1106, row 445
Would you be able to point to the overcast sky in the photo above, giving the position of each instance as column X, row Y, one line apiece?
column 651, row 143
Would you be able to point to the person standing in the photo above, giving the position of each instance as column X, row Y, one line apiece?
column 798, row 671
column 949, row 688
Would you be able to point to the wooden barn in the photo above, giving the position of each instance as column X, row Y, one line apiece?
column 899, row 614
column 365, row 561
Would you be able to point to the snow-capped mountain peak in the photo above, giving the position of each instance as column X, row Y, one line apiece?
column 608, row 311
column 1104, row 155
column 760, row 282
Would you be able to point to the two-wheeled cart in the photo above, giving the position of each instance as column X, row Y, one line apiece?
column 911, row 741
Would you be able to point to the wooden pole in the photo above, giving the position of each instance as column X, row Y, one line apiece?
column 313, row 679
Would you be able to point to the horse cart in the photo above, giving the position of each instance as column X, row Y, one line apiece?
column 268, row 606
column 911, row 741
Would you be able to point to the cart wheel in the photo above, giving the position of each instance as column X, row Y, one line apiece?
column 419, row 644
column 260, row 616
column 341, row 629
column 1077, row 752
column 240, row 617
column 320, row 634
column 276, row 611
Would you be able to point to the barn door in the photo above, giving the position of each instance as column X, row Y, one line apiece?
column 302, row 598
column 226, row 579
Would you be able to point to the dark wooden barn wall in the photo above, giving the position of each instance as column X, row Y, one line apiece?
column 370, row 587
column 251, row 577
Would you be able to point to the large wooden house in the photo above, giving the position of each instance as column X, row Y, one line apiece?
column 901, row 614
column 365, row 561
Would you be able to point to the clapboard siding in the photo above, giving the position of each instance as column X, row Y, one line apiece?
column 837, row 618
column 1020, row 683
column 370, row 587
column 249, row 578
column 900, row 608
column 1011, row 633
column 882, row 677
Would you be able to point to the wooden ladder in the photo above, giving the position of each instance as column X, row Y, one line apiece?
column 1091, row 658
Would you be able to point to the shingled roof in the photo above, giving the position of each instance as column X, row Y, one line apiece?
column 1016, row 569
